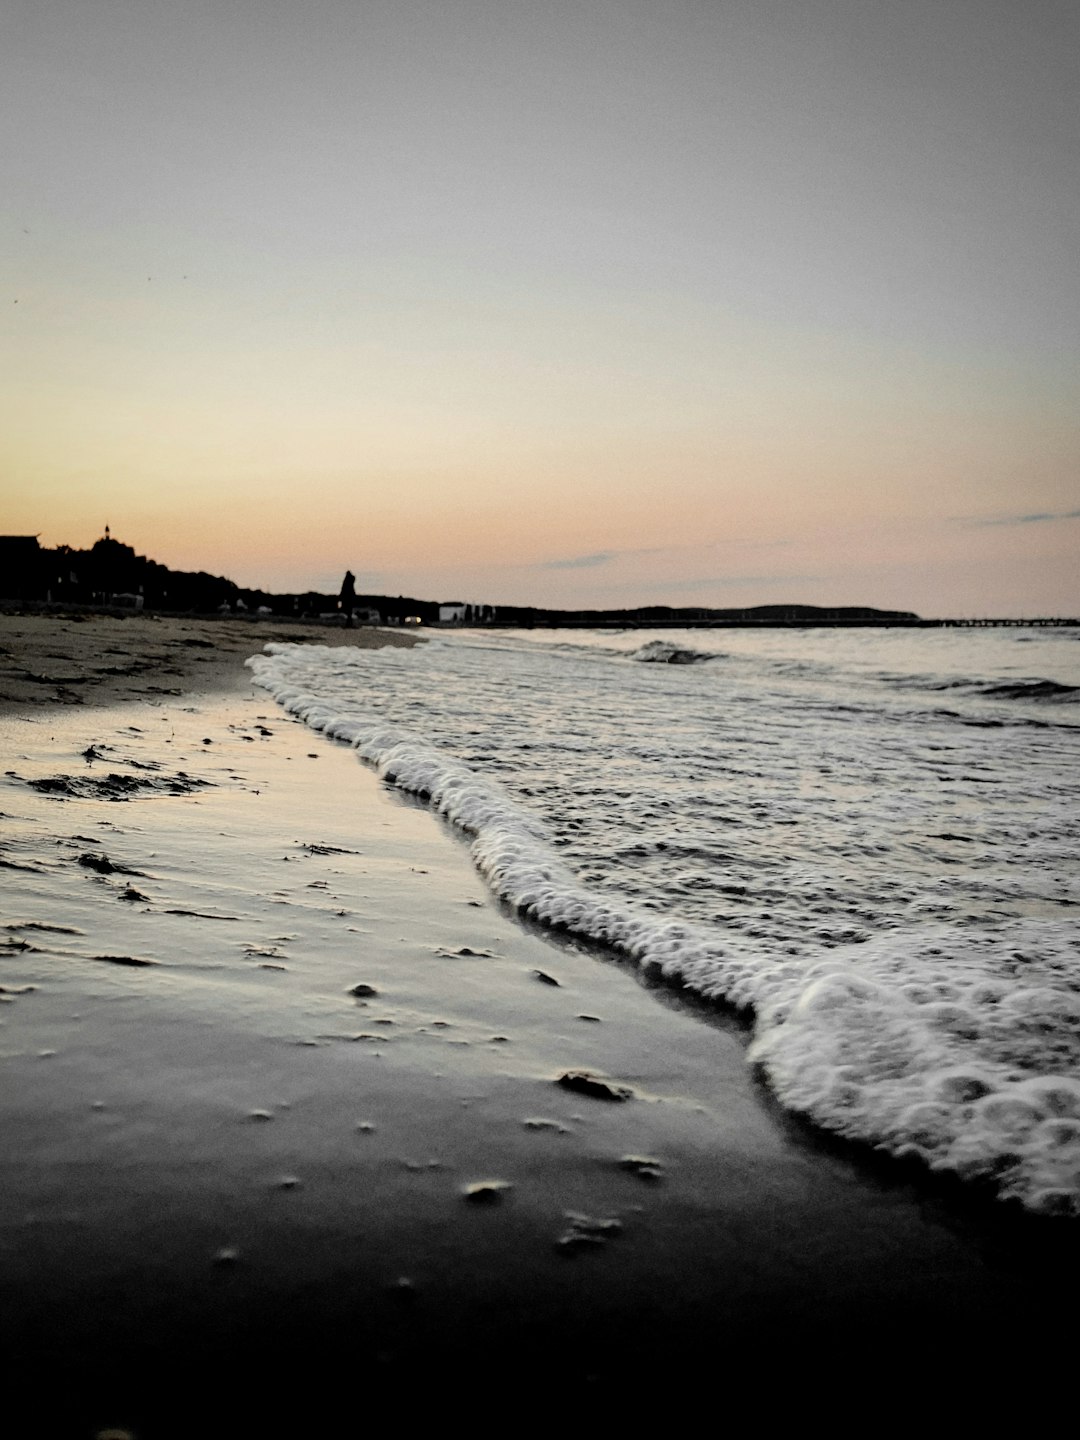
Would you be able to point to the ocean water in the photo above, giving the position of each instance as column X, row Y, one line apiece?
column 865, row 840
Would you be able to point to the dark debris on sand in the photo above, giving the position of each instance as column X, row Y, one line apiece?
column 583, row 1082
column 114, row 786
column 104, row 866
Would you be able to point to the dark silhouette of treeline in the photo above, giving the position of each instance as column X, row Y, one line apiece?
column 111, row 574
column 107, row 573
column 655, row 617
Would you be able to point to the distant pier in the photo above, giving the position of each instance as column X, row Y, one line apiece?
column 1044, row 620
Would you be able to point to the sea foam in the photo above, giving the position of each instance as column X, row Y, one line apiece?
column 927, row 1040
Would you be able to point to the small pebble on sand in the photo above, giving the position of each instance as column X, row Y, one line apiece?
column 486, row 1192
column 645, row 1167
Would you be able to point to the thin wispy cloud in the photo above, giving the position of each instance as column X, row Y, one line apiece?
column 1037, row 517
column 580, row 562
column 606, row 557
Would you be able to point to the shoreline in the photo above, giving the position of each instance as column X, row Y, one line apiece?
column 95, row 659
column 225, row 1161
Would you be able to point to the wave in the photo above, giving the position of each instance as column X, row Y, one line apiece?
column 950, row 1045
column 990, row 689
column 662, row 652
column 1031, row 690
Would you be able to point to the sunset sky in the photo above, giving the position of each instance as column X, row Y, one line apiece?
column 570, row 302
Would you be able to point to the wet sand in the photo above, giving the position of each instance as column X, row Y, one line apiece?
column 289, row 1130
column 88, row 658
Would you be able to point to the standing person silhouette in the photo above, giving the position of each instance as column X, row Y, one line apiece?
column 347, row 598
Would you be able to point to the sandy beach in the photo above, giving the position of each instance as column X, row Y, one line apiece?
column 91, row 658
column 297, row 1117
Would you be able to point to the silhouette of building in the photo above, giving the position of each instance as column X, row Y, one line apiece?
column 22, row 568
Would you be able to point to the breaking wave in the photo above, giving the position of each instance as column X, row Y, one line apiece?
column 958, row 1046
column 662, row 652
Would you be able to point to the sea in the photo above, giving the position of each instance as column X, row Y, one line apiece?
column 863, row 841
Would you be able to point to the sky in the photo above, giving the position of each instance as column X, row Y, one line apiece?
column 567, row 303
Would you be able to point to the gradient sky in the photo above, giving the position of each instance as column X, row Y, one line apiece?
column 570, row 302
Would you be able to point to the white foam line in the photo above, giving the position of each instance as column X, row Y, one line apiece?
column 880, row 1047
